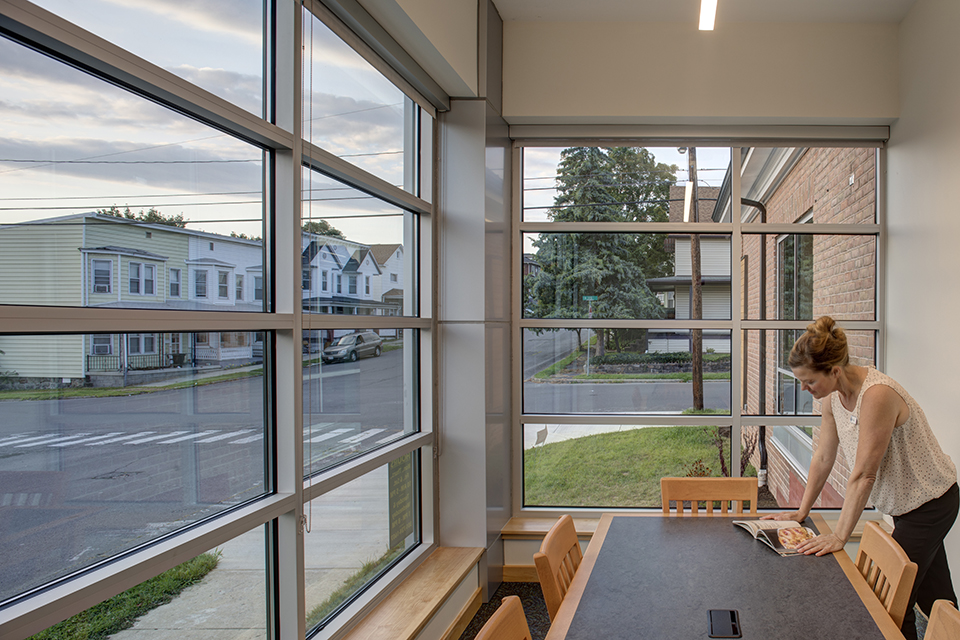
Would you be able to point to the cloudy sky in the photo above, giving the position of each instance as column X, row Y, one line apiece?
column 71, row 143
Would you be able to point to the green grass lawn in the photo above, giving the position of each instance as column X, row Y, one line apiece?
column 620, row 469
column 120, row 612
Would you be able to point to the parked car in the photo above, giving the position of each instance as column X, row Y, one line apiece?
column 353, row 346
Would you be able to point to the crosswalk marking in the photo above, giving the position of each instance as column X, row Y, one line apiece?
column 360, row 437
column 23, row 439
column 120, row 439
column 238, row 436
column 188, row 437
column 160, row 437
column 84, row 440
column 332, row 434
column 51, row 441
column 224, row 436
column 259, row 436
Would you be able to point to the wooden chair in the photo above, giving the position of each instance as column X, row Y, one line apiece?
column 887, row 570
column 557, row 562
column 728, row 491
column 506, row 623
column 944, row 622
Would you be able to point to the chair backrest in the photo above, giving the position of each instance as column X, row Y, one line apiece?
column 506, row 623
column 944, row 623
column 729, row 492
column 887, row 569
column 557, row 562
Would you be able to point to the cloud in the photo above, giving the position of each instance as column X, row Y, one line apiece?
column 243, row 19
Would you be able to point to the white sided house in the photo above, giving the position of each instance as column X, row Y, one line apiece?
column 676, row 290
column 106, row 261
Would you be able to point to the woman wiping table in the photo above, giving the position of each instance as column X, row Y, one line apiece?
column 896, row 461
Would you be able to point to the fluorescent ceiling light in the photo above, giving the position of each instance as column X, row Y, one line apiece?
column 708, row 14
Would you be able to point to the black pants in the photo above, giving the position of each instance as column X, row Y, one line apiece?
column 921, row 532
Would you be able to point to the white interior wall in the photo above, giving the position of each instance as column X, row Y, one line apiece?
column 441, row 35
column 923, row 223
column 671, row 73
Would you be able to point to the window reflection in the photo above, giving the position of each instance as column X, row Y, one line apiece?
column 215, row 45
column 109, row 441
column 355, row 260
column 351, row 110
column 353, row 396
column 356, row 532
column 118, row 202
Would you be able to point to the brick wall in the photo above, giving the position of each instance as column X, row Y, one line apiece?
column 835, row 186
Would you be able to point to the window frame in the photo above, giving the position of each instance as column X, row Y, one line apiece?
column 109, row 273
column 175, row 282
column 279, row 511
column 738, row 229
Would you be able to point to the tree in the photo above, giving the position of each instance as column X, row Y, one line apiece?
column 322, row 228
column 603, row 185
column 151, row 215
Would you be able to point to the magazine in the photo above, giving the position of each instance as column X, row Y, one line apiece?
column 783, row 536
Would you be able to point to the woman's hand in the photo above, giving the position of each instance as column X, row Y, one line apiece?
column 796, row 516
column 821, row 545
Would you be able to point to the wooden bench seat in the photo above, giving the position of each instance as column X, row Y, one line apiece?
column 410, row 607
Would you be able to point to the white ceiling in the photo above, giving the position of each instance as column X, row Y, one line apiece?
column 689, row 10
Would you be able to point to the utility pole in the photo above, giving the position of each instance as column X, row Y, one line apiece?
column 696, row 294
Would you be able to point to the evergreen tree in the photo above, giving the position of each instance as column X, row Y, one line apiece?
column 604, row 185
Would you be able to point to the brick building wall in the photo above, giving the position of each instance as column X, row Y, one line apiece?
column 833, row 186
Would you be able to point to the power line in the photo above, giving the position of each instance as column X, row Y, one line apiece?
column 48, row 162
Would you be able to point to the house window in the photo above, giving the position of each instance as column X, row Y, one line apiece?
column 305, row 278
column 135, row 277
column 200, row 283
column 366, row 284
column 339, row 283
column 142, row 343
column 795, row 302
column 223, row 284
column 149, row 279
column 258, row 287
column 323, row 280
column 174, row 283
column 102, row 271
column 352, row 285
column 143, row 278
column 393, row 277
column 238, row 283
column 102, row 344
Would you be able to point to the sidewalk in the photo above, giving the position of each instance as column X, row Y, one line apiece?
column 558, row 432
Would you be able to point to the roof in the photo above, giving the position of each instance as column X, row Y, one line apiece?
column 125, row 251
column 383, row 252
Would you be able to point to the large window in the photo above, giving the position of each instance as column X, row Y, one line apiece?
column 656, row 318
column 159, row 425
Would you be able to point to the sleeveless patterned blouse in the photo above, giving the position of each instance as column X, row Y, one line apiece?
column 914, row 469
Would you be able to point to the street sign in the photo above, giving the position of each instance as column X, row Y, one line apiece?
column 591, row 297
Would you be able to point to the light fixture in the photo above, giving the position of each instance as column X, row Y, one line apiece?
column 708, row 14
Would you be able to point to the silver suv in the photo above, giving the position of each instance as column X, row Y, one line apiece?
column 353, row 346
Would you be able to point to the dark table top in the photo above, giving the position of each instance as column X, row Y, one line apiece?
column 657, row 577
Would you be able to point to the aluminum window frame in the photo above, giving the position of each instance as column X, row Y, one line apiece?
column 280, row 323
column 736, row 138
